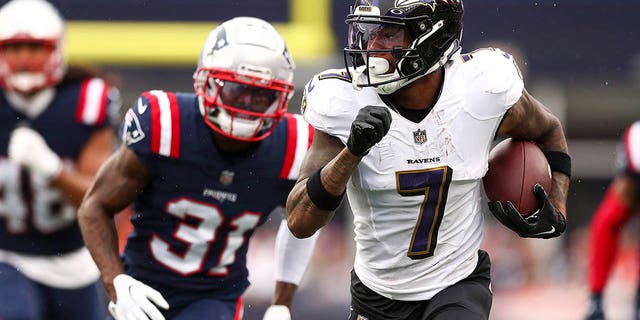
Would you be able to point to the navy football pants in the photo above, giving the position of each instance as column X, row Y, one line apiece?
column 208, row 309
column 24, row 299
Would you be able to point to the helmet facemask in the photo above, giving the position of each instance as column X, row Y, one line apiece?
column 243, row 79
column 241, row 106
column 370, row 69
column 433, row 33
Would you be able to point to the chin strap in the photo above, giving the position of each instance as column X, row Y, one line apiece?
column 358, row 77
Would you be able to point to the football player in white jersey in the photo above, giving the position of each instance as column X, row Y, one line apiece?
column 405, row 131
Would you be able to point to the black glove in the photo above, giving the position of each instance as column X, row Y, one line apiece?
column 371, row 124
column 545, row 223
column 596, row 311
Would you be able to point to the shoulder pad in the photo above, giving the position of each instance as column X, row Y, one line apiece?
column 492, row 76
column 494, row 70
column 299, row 138
column 329, row 101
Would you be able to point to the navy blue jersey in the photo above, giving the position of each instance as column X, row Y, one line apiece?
column 34, row 217
column 193, row 221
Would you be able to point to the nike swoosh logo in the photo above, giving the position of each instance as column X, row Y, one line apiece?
column 553, row 229
column 141, row 107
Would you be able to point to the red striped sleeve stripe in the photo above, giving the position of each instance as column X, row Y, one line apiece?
column 175, row 125
column 165, row 123
column 289, row 155
column 311, row 131
column 92, row 102
column 299, row 137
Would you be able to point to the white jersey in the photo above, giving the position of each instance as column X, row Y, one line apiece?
column 417, row 195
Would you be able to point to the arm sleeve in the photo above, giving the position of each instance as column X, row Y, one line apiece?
column 292, row 254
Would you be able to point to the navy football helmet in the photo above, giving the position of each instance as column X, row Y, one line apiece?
column 416, row 36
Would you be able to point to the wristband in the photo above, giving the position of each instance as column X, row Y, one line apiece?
column 559, row 161
column 320, row 196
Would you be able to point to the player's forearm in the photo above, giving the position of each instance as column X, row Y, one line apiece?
column 559, row 190
column 553, row 140
column 101, row 238
column 72, row 185
column 284, row 292
column 551, row 136
column 304, row 217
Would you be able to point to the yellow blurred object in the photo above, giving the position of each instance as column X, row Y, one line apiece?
column 308, row 35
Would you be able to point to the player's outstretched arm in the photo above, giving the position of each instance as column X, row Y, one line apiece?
column 75, row 183
column 28, row 148
column 327, row 168
column 304, row 218
column 119, row 181
column 283, row 297
column 291, row 261
column 528, row 119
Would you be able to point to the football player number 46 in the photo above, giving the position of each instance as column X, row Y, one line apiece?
column 433, row 185
column 28, row 204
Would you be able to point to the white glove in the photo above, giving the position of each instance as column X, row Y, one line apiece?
column 28, row 148
column 277, row 312
column 134, row 300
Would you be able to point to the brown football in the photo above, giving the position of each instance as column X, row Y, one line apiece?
column 515, row 166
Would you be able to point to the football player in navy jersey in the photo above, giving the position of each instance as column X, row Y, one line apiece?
column 614, row 211
column 405, row 130
column 203, row 170
column 54, row 135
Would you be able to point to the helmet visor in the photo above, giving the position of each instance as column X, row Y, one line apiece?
column 371, row 35
column 247, row 97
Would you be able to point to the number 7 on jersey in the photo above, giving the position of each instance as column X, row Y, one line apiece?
column 433, row 184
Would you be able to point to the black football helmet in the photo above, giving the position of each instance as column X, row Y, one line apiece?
column 432, row 29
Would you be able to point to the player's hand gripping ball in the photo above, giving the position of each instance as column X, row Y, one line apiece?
column 515, row 184
column 515, row 167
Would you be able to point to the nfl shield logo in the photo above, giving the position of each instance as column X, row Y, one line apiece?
column 226, row 177
column 420, row 136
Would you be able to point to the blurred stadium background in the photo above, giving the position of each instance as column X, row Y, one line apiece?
column 579, row 57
